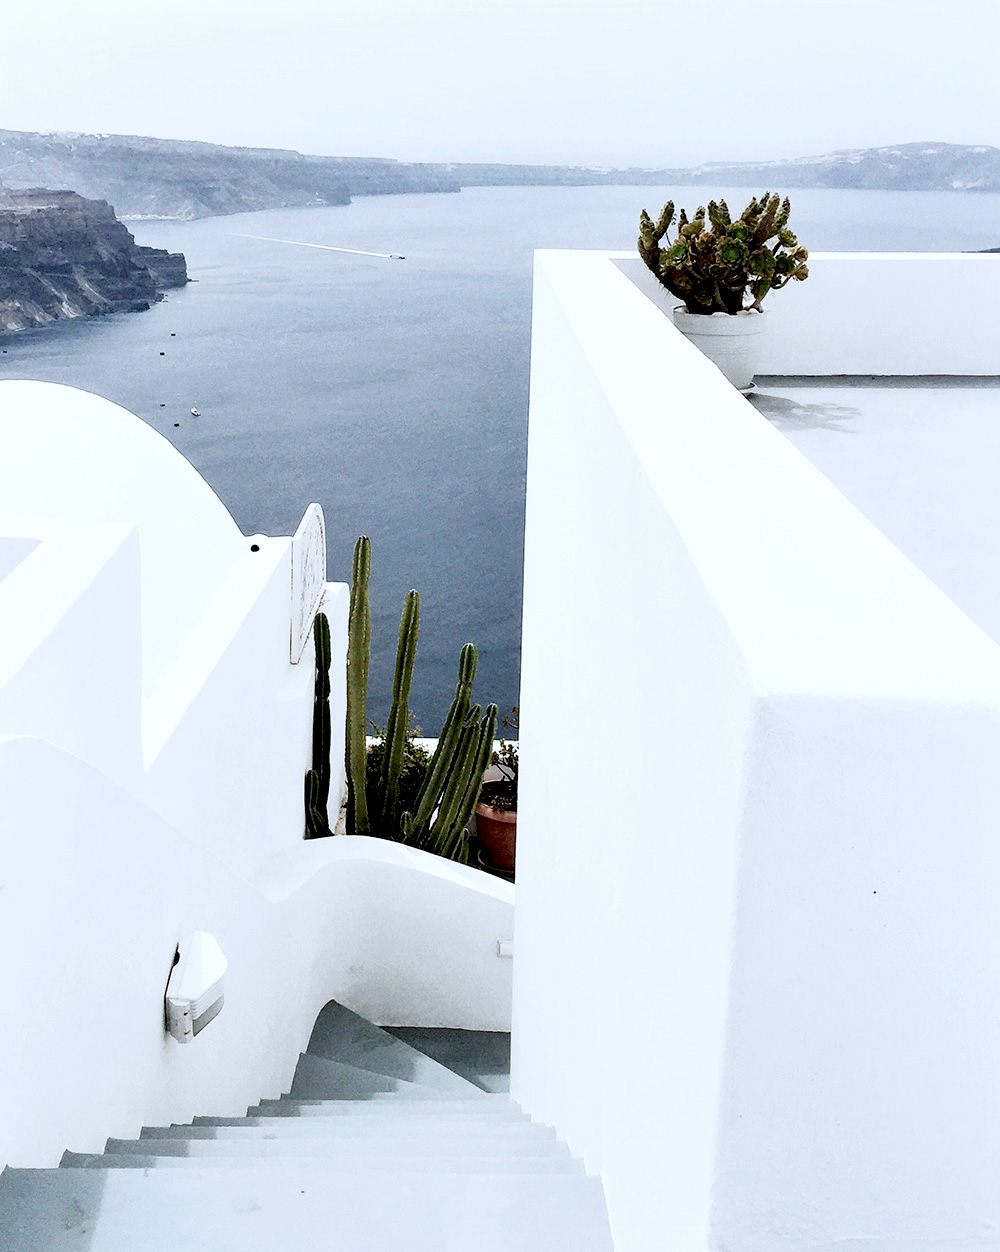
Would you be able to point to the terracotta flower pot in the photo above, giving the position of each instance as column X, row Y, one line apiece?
column 497, row 830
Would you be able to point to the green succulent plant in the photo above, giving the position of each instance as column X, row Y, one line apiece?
column 714, row 263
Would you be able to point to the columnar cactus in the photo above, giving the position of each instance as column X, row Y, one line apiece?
column 317, row 825
column 321, row 708
column 448, row 835
column 454, row 776
column 399, row 717
column 317, row 780
column 712, row 268
column 359, row 633
column 444, row 804
column 414, row 826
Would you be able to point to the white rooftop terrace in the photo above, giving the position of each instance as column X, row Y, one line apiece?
column 920, row 457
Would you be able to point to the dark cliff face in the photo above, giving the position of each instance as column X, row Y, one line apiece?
column 64, row 256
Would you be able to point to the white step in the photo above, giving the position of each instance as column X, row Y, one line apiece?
column 361, row 1163
column 288, row 1106
column 355, row 1128
column 417, row 1113
column 340, row 1035
column 317, row 1077
column 396, row 1144
column 309, row 1210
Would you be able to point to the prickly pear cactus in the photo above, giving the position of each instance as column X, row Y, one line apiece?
column 714, row 263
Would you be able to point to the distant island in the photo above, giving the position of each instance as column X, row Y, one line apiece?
column 186, row 180
column 905, row 167
column 62, row 255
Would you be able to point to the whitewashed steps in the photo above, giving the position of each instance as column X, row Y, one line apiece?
column 315, row 1210
column 373, row 1115
column 395, row 1145
column 356, row 1160
column 360, row 1163
column 356, row 1128
column 289, row 1107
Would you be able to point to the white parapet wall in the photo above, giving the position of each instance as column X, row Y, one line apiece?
column 154, row 735
column 881, row 313
column 757, row 945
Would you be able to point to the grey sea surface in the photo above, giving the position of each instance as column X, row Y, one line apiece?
column 395, row 393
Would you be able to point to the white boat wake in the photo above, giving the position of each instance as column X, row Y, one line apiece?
column 326, row 247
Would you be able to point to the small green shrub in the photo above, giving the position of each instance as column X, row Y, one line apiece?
column 411, row 777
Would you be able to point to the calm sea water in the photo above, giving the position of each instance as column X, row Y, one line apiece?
column 395, row 392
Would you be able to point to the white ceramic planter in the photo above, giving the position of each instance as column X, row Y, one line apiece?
column 730, row 341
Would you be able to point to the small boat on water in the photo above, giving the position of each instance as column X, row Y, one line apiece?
column 195, row 413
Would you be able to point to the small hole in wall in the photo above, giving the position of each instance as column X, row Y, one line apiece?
column 255, row 547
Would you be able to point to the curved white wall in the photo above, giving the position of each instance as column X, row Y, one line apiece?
column 72, row 456
column 154, row 735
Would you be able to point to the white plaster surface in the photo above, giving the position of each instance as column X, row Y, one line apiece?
column 875, row 313
column 754, row 970
column 921, row 459
column 153, row 741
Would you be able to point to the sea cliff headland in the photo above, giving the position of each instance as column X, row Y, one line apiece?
column 62, row 255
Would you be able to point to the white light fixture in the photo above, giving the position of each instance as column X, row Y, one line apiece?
column 195, row 990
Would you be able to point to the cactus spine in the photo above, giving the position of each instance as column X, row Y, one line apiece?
column 358, row 657
column 399, row 717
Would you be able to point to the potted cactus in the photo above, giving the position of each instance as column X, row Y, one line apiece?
column 722, row 269
column 496, row 812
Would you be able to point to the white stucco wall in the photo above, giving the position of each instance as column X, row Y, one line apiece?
column 754, row 963
column 875, row 313
column 152, row 753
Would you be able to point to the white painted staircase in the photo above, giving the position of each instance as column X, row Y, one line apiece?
column 377, row 1148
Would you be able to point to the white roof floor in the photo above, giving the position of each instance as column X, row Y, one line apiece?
column 920, row 457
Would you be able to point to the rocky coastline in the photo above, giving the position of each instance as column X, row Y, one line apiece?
column 62, row 255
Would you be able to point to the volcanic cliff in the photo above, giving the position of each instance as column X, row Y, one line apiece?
column 64, row 256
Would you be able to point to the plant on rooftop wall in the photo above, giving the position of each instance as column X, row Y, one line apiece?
column 715, row 265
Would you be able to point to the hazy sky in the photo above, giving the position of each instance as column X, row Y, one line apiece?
column 519, row 80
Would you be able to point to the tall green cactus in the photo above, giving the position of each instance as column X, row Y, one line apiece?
column 448, row 835
column 317, row 825
column 415, row 825
column 359, row 634
column 454, row 776
column 321, row 708
column 399, row 717
column 317, row 780
column 712, row 268
column 444, row 805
